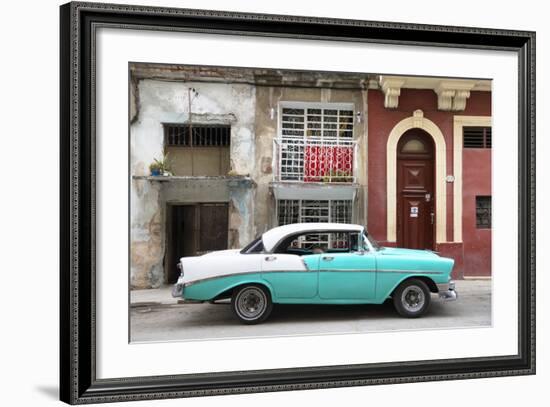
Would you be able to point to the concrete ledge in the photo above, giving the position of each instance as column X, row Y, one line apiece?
column 314, row 190
column 184, row 178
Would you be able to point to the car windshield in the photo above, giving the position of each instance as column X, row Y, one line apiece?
column 373, row 242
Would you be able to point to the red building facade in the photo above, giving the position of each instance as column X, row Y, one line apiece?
column 429, row 173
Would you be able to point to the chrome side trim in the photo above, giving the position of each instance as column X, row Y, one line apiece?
column 309, row 271
column 347, row 270
column 287, row 271
column 412, row 271
column 202, row 280
column 244, row 273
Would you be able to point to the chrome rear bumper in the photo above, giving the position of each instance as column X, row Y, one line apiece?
column 177, row 290
column 447, row 291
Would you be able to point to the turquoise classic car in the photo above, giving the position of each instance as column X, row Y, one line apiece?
column 315, row 263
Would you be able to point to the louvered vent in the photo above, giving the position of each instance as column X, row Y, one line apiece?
column 477, row 137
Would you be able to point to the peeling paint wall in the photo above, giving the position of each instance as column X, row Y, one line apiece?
column 246, row 189
column 154, row 102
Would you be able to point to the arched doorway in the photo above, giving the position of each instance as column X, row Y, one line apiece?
column 415, row 190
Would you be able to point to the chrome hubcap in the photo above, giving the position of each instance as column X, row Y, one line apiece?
column 413, row 298
column 251, row 303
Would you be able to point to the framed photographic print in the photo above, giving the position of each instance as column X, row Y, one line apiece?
column 255, row 203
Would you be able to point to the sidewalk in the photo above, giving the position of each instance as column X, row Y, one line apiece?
column 152, row 296
column 163, row 295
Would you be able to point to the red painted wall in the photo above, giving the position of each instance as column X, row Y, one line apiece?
column 476, row 180
column 380, row 123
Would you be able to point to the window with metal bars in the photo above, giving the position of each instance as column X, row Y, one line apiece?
column 303, row 211
column 197, row 149
column 309, row 211
column 323, row 122
column 477, row 137
column 316, row 142
column 178, row 135
column 483, row 212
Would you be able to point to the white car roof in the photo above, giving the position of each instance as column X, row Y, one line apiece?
column 274, row 236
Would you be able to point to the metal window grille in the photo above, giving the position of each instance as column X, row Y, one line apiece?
column 304, row 211
column 288, row 211
column 291, row 160
column 316, row 144
column 314, row 211
column 477, row 137
column 330, row 123
column 483, row 212
column 178, row 135
column 316, row 160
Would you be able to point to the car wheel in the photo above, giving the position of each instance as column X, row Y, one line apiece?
column 251, row 304
column 412, row 298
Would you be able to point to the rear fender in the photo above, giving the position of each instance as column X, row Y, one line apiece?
column 222, row 287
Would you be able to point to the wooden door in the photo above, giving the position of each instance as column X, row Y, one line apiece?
column 415, row 191
column 213, row 225
column 193, row 230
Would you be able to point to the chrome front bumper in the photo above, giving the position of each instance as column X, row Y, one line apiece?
column 447, row 291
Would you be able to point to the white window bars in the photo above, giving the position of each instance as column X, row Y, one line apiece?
column 315, row 145
column 304, row 211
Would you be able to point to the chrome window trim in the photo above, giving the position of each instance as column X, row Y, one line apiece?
column 303, row 232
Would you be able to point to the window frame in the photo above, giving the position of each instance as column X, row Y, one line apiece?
column 224, row 126
column 488, row 198
column 314, row 105
column 486, row 145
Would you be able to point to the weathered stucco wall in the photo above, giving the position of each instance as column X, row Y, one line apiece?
column 155, row 102
column 268, row 98
column 247, row 108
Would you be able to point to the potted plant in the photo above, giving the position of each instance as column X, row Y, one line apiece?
column 160, row 166
column 154, row 168
column 338, row 176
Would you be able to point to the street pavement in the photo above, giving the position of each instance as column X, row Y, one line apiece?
column 156, row 316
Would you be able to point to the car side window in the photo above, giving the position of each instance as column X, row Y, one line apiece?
column 320, row 242
column 256, row 246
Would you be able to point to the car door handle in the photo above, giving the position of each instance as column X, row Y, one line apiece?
column 328, row 258
column 270, row 258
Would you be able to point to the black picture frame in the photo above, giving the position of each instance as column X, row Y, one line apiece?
column 78, row 382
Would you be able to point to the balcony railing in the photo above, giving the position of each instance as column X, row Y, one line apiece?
column 315, row 159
